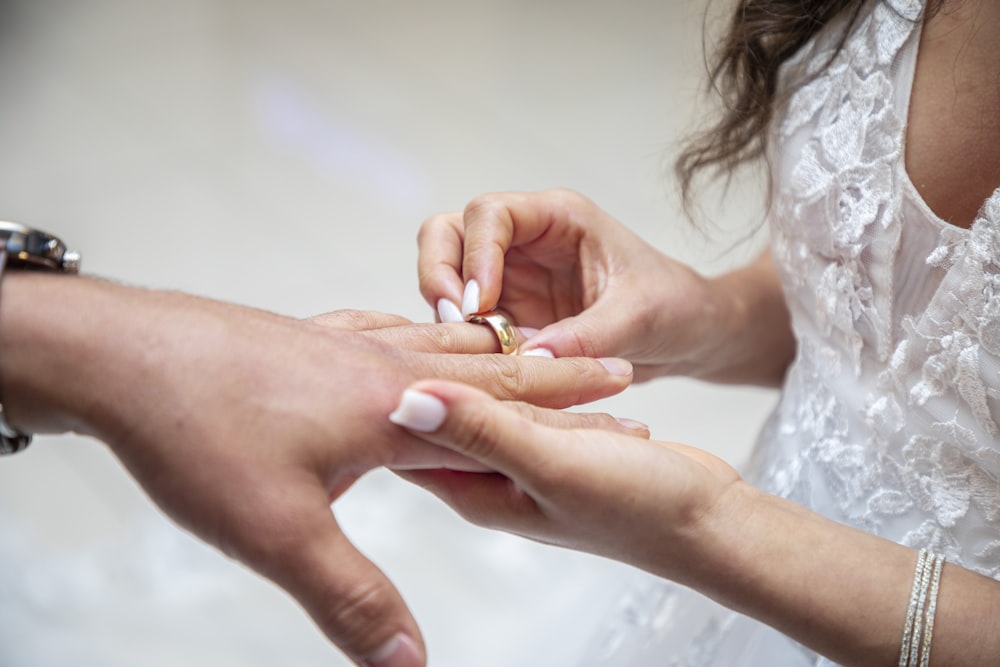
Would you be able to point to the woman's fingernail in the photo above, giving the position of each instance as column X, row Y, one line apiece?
column 528, row 332
column 448, row 311
column 400, row 651
column 539, row 352
column 470, row 299
column 633, row 424
column 419, row 411
column 616, row 366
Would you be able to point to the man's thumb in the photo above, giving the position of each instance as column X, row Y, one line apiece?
column 351, row 600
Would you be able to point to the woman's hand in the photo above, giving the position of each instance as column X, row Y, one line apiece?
column 686, row 515
column 642, row 502
column 554, row 261
column 244, row 426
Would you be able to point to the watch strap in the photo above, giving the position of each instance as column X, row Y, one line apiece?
column 11, row 440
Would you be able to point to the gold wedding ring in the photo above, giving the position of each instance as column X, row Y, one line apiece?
column 501, row 327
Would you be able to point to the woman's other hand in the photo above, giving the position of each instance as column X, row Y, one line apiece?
column 555, row 261
column 638, row 501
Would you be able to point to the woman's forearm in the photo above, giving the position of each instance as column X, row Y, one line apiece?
column 838, row 590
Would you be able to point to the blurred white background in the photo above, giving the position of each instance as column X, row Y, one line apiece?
column 282, row 155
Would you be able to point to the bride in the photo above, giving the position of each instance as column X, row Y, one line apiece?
column 866, row 530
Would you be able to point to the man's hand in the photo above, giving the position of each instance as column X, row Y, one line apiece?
column 244, row 426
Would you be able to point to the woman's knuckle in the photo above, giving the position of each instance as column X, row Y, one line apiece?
column 484, row 205
column 431, row 225
column 583, row 343
column 476, row 436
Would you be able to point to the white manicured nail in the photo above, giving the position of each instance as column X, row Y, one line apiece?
column 470, row 299
column 419, row 411
column 448, row 311
column 539, row 352
column 528, row 332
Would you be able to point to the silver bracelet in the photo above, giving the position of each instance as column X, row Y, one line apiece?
column 911, row 611
column 925, row 656
column 918, row 628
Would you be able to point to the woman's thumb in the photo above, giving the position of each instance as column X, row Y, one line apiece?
column 471, row 422
column 596, row 332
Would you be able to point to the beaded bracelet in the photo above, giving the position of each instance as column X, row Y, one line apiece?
column 918, row 628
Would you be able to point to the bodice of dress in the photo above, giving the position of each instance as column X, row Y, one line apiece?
column 888, row 419
column 889, row 415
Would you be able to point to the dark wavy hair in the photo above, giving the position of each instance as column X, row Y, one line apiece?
column 743, row 71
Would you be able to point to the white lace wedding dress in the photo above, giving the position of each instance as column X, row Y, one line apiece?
column 889, row 415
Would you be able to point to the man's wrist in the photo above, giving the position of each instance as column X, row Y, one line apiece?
column 41, row 323
column 23, row 247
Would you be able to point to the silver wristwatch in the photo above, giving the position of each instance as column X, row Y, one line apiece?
column 25, row 248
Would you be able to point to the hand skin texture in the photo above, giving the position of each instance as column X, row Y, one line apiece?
column 244, row 426
column 686, row 515
column 555, row 261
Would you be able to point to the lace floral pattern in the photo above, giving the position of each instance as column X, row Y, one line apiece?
column 845, row 174
column 889, row 416
column 888, row 421
column 945, row 374
column 954, row 346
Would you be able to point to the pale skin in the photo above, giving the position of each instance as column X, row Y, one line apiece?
column 244, row 425
column 566, row 267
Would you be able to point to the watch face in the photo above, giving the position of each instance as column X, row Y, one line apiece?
column 16, row 239
column 33, row 249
